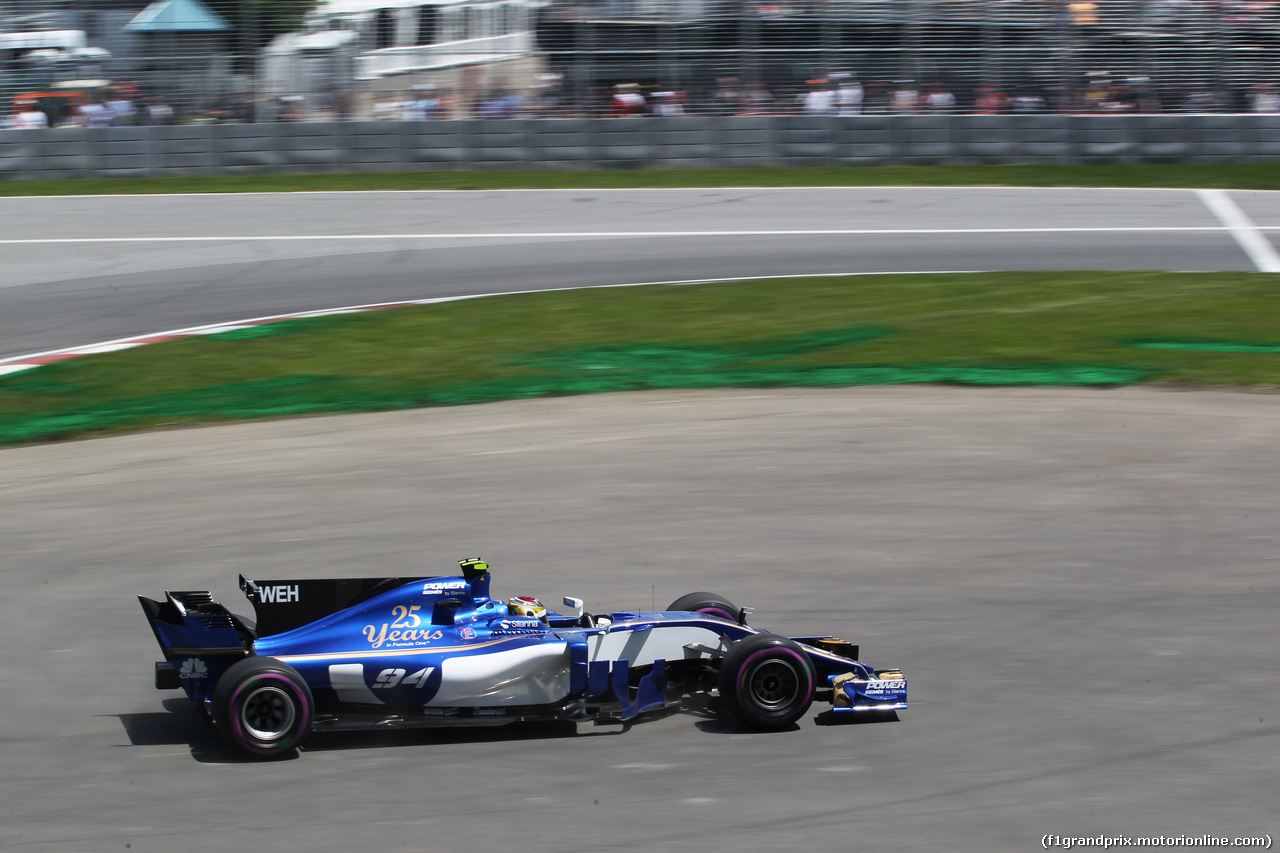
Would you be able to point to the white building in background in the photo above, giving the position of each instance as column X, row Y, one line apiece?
column 363, row 52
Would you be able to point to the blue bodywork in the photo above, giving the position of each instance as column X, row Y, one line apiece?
column 391, row 652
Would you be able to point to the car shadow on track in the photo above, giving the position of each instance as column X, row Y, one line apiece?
column 860, row 718
column 513, row 732
column 715, row 723
column 182, row 724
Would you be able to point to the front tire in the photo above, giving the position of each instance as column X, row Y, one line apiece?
column 766, row 682
column 709, row 603
column 263, row 707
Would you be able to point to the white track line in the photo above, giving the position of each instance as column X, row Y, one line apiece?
column 1233, row 228
column 1250, row 237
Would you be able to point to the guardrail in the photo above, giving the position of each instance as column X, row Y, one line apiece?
column 674, row 142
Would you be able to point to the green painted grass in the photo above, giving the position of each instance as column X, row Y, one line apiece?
column 1075, row 328
column 1216, row 176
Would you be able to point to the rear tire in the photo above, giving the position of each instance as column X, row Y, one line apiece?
column 766, row 682
column 709, row 603
column 263, row 707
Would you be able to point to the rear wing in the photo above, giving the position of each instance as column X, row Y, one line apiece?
column 200, row 639
column 282, row 605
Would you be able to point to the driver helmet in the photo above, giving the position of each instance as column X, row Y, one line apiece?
column 526, row 605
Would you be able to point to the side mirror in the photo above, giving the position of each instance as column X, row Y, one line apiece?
column 575, row 603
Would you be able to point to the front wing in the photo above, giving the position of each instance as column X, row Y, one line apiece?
column 886, row 692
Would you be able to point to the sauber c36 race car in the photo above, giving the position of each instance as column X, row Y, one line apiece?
column 382, row 653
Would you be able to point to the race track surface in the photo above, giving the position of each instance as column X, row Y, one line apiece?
column 1081, row 585
column 83, row 270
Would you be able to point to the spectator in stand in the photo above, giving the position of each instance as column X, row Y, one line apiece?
column 820, row 100
column 848, row 98
column 383, row 110
column 289, row 107
column 668, row 104
column 879, row 98
column 121, row 108
column 340, row 105
column 627, row 101
column 1027, row 101
column 500, row 103
column 157, row 112
column 220, row 111
column 549, row 99
column 94, row 113
column 939, row 99
column 512, row 103
column 906, row 98
column 989, row 101
column 1097, row 94
column 425, row 106
column 1122, row 99
column 490, row 105
column 1201, row 98
column 728, row 98
column 1264, row 98
column 757, row 101
column 1145, row 99
column 28, row 117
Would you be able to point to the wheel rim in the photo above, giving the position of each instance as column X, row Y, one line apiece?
column 267, row 713
column 773, row 684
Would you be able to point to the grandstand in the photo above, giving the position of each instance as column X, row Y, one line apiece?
column 781, row 56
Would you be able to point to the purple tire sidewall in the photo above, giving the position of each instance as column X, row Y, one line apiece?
column 289, row 686
column 747, row 708
column 718, row 611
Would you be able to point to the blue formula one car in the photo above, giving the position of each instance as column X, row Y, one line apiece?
column 378, row 653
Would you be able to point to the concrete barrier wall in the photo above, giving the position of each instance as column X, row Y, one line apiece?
column 673, row 143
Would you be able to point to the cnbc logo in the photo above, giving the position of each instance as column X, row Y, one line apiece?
column 193, row 668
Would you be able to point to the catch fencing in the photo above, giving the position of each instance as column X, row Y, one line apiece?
column 669, row 143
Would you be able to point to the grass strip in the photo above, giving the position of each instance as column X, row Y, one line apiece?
column 308, row 395
column 1208, row 346
column 1074, row 328
column 1262, row 176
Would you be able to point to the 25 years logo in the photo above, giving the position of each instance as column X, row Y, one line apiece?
column 405, row 629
